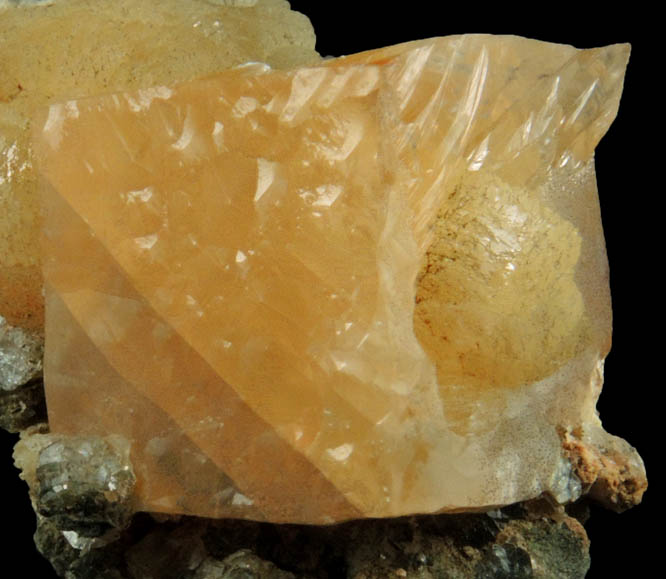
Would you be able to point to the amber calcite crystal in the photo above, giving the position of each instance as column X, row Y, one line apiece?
column 58, row 50
column 372, row 287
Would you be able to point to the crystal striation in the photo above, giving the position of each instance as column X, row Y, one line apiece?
column 371, row 287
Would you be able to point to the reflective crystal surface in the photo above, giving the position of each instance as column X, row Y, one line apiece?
column 372, row 287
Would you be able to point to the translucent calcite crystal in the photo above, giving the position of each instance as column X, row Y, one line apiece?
column 71, row 48
column 372, row 287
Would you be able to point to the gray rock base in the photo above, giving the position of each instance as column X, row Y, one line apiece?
column 531, row 540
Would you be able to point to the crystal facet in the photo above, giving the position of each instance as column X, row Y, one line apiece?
column 372, row 287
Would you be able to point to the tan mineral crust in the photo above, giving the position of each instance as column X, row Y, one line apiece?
column 367, row 287
column 71, row 48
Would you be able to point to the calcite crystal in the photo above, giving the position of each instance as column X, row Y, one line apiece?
column 366, row 288
column 71, row 48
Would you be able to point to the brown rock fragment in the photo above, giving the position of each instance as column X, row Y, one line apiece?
column 609, row 468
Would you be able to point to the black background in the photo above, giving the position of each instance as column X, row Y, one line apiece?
column 629, row 173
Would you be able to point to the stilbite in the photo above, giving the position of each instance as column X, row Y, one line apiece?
column 372, row 287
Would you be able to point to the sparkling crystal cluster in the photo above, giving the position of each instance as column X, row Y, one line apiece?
column 368, row 287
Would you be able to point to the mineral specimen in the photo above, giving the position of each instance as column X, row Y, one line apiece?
column 117, row 45
column 370, row 287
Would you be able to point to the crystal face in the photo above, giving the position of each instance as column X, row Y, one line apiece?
column 372, row 287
